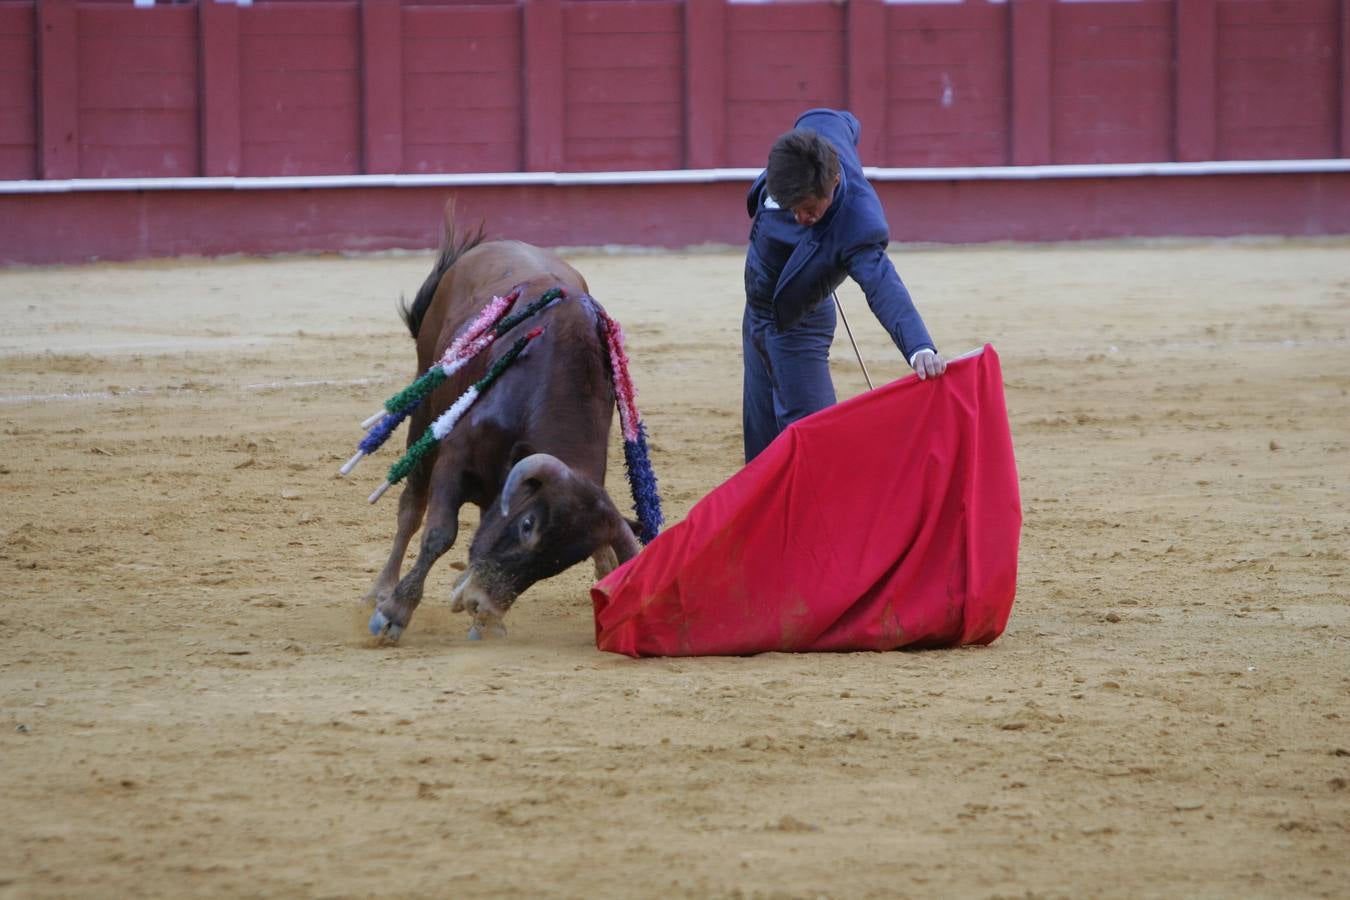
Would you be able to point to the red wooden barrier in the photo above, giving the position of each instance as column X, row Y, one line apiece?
column 58, row 90
column 69, row 227
column 1112, row 78
column 137, row 92
column 311, row 87
column 623, row 86
column 218, row 32
column 463, row 80
column 544, row 90
column 100, row 89
column 18, row 90
column 705, row 80
column 865, row 58
column 381, row 87
column 299, row 88
column 1344, row 148
column 1032, row 65
column 1197, row 33
column 948, row 83
column 782, row 58
column 1277, row 78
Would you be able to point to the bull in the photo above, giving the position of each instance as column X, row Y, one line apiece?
column 530, row 454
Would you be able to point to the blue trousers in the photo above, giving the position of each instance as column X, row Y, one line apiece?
column 787, row 374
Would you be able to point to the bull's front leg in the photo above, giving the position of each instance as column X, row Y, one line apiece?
column 392, row 613
column 412, row 505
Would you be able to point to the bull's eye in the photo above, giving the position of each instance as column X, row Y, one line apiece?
column 526, row 526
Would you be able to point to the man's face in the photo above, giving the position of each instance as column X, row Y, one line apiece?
column 811, row 212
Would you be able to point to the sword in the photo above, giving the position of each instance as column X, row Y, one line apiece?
column 844, row 318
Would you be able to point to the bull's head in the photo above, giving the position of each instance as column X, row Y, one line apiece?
column 548, row 518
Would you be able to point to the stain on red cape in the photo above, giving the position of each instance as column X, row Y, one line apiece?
column 890, row 520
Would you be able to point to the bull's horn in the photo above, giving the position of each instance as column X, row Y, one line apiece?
column 540, row 467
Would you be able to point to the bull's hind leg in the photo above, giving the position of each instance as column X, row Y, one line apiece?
column 393, row 612
column 412, row 505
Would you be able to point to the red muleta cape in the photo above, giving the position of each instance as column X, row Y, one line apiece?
column 890, row 520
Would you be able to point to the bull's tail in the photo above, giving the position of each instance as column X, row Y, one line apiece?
column 452, row 248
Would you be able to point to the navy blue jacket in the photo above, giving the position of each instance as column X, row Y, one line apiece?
column 789, row 268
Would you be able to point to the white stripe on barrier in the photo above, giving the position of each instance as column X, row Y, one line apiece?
column 673, row 176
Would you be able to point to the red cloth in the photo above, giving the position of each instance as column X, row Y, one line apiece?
column 890, row 520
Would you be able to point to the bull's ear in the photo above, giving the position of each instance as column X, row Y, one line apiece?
column 519, row 451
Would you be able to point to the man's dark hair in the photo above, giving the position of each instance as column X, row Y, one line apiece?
column 802, row 167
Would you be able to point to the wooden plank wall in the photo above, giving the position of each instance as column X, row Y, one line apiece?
column 99, row 89
column 1278, row 78
column 461, row 90
column 623, row 89
column 782, row 58
column 300, row 89
column 948, row 86
column 1111, row 83
column 18, row 92
column 137, row 90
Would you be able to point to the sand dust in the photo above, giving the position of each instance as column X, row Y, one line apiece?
column 188, row 705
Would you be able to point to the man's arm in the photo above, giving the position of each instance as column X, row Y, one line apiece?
column 889, row 299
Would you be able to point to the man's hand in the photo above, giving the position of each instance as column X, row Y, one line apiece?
column 929, row 364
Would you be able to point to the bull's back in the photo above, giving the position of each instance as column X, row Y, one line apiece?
column 490, row 270
column 565, row 403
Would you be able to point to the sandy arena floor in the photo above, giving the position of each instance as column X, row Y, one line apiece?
column 189, row 706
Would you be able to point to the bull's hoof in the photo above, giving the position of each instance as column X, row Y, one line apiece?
column 380, row 626
column 476, row 632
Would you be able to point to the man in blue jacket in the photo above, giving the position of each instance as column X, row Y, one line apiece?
column 816, row 220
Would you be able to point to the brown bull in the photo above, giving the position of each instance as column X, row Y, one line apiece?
column 530, row 453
